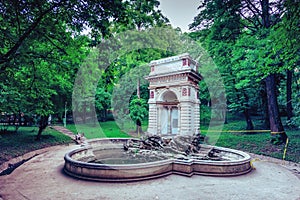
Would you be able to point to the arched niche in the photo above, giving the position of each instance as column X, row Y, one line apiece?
column 170, row 97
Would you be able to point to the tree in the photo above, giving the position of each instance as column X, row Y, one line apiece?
column 115, row 59
column 285, row 36
column 43, row 73
column 23, row 18
column 138, row 112
column 220, row 40
column 257, row 19
column 42, row 48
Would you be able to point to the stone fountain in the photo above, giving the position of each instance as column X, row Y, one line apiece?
column 119, row 159
column 173, row 144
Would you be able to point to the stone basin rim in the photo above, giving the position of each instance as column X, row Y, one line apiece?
column 154, row 169
column 246, row 157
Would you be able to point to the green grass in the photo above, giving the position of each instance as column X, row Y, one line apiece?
column 107, row 129
column 16, row 144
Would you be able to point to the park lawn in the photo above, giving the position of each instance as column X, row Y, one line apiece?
column 16, row 144
column 256, row 142
column 107, row 129
column 260, row 143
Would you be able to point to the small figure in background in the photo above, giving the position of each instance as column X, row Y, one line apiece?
column 80, row 138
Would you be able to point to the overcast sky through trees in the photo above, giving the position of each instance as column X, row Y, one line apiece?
column 180, row 12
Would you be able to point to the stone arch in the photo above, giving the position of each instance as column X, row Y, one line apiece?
column 169, row 95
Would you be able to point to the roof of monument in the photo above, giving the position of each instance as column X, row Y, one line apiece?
column 173, row 59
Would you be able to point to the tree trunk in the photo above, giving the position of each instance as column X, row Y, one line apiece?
column 84, row 112
column 248, row 120
column 138, row 127
column 17, row 121
column 247, row 114
column 289, row 107
column 42, row 125
column 138, row 91
column 275, row 122
column 264, row 101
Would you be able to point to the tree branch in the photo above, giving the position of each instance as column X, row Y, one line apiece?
column 248, row 19
column 49, row 39
column 250, row 4
column 9, row 55
column 247, row 6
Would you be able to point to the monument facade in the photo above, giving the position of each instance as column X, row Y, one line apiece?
column 174, row 106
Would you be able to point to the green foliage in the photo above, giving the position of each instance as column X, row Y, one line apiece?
column 138, row 110
column 249, row 41
column 205, row 115
column 126, row 61
column 42, row 48
column 294, row 122
column 28, row 20
column 101, row 99
column 141, row 14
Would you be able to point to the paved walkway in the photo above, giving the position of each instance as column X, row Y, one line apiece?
column 64, row 130
column 42, row 178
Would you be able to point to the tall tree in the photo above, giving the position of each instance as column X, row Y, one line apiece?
column 42, row 48
column 285, row 36
column 220, row 39
column 257, row 19
column 45, row 80
column 140, row 15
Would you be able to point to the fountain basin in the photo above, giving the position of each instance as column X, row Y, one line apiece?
column 112, row 166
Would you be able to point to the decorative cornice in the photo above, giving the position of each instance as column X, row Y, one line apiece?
column 173, row 59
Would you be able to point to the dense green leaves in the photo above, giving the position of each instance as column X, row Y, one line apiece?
column 250, row 41
column 42, row 49
column 138, row 111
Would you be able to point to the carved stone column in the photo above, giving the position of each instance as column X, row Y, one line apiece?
column 159, row 110
column 169, row 121
column 179, row 118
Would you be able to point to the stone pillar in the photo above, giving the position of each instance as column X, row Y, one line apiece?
column 169, row 132
column 185, row 118
column 179, row 119
column 159, row 108
column 197, row 116
column 152, row 118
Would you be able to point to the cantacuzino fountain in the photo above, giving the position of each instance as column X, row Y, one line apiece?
column 172, row 145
